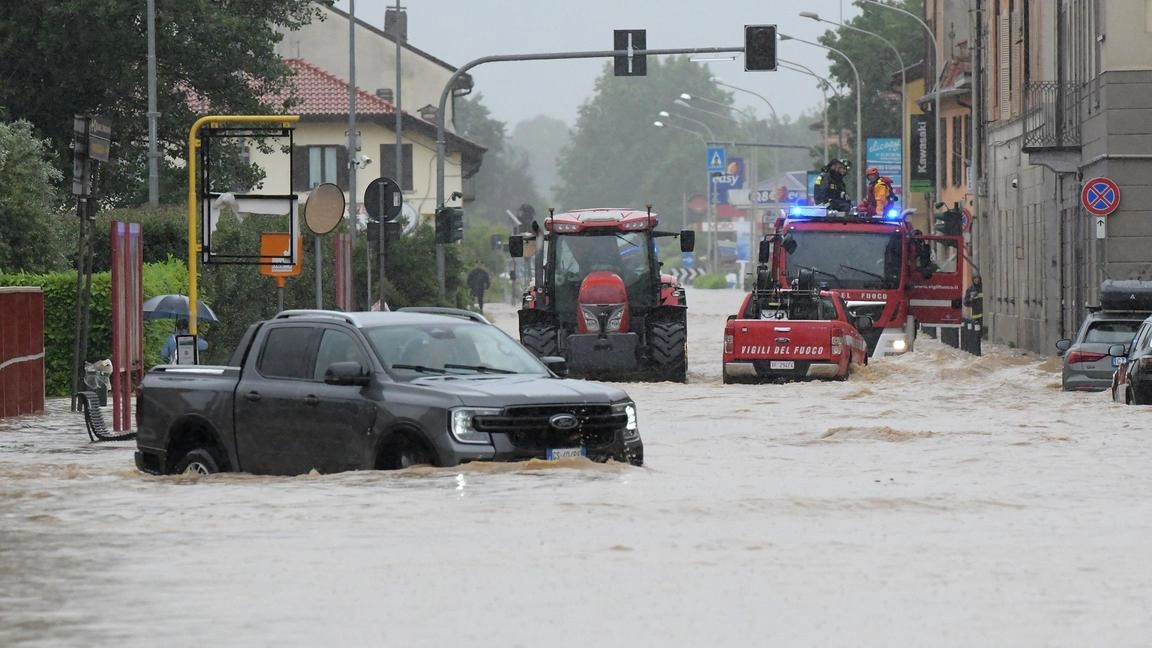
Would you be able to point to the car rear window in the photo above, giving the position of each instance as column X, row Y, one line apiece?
column 1111, row 332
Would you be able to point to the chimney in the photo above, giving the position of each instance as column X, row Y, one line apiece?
column 385, row 94
column 396, row 23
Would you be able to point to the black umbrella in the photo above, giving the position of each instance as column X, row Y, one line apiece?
column 176, row 307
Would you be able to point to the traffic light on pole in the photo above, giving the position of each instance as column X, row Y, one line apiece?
column 449, row 224
column 456, row 224
column 443, row 218
column 759, row 47
column 948, row 223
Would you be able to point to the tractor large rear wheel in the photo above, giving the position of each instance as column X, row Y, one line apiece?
column 668, row 343
column 540, row 339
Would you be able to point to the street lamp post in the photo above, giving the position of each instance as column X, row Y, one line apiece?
column 775, row 117
column 905, row 125
column 937, row 56
column 859, row 134
column 824, row 88
column 709, row 187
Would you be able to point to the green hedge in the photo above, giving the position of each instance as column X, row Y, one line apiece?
column 715, row 280
column 60, row 316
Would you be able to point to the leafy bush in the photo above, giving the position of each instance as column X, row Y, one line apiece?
column 60, row 317
column 714, row 280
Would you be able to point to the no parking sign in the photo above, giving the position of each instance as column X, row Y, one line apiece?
column 1100, row 196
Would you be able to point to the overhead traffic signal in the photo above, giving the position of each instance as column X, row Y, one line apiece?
column 759, row 47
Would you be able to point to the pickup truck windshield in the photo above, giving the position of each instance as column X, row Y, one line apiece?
column 450, row 348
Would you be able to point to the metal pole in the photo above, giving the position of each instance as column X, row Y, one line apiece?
column 937, row 55
column 399, row 149
column 153, row 155
column 353, row 210
column 859, row 134
column 319, row 274
column 440, row 142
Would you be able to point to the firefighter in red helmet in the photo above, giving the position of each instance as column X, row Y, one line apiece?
column 880, row 194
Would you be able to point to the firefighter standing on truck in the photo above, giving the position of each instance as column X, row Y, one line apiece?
column 830, row 189
column 880, row 193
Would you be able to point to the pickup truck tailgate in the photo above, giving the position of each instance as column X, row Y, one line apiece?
column 784, row 349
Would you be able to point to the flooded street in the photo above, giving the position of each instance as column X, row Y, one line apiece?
column 933, row 499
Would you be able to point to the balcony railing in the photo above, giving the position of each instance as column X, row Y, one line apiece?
column 1052, row 116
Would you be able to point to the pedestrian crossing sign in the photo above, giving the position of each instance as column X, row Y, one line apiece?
column 716, row 158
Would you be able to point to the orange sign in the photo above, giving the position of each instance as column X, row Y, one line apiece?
column 275, row 244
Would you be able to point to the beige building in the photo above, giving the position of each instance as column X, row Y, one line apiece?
column 318, row 55
column 1064, row 90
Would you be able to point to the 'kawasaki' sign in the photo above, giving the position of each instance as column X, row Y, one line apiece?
column 923, row 152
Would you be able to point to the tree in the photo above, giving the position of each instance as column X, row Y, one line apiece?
column 880, row 98
column 59, row 58
column 27, row 201
column 541, row 139
column 503, row 182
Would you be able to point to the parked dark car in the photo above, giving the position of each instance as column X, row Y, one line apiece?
column 1132, row 381
column 1087, row 365
column 336, row 391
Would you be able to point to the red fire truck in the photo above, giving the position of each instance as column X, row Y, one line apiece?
column 880, row 266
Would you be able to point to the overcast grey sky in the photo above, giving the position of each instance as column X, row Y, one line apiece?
column 458, row 31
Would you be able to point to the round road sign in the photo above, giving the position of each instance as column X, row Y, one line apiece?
column 383, row 199
column 965, row 220
column 1100, row 196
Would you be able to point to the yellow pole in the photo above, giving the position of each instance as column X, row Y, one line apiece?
column 194, row 247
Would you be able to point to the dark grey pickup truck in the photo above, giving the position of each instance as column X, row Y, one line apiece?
column 332, row 391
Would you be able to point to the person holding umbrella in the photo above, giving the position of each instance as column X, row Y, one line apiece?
column 176, row 307
column 168, row 351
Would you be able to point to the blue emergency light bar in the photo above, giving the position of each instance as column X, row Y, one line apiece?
column 893, row 214
column 808, row 211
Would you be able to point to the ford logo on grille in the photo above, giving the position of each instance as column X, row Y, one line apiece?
column 563, row 421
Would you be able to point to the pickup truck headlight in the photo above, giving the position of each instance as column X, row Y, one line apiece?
column 631, row 429
column 461, row 425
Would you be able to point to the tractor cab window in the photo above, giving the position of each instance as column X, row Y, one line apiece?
column 625, row 254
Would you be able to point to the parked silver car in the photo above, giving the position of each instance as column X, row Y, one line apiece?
column 1087, row 365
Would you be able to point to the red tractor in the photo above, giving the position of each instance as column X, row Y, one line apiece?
column 598, row 298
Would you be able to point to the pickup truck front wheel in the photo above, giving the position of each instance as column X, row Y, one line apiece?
column 198, row 461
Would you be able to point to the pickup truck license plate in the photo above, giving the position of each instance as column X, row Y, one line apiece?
column 565, row 453
column 781, row 364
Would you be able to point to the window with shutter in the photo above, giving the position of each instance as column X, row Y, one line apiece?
column 388, row 164
column 957, row 148
column 315, row 165
column 1003, row 69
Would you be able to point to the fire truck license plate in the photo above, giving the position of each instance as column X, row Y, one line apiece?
column 565, row 453
column 781, row 364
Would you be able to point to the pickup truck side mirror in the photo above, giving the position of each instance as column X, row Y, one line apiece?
column 863, row 323
column 346, row 373
column 1118, row 351
column 1063, row 345
column 557, row 364
column 516, row 246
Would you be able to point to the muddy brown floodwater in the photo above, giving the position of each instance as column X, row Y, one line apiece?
column 933, row 499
